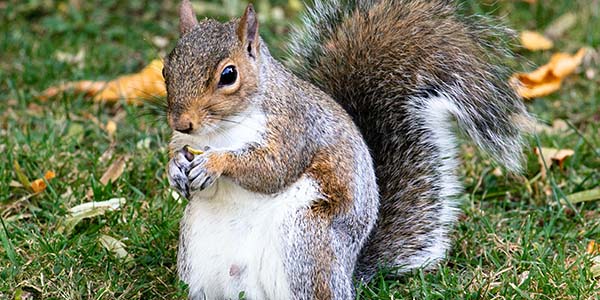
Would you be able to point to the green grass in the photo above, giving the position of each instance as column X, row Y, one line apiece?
column 514, row 239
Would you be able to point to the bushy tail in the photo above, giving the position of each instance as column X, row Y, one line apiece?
column 403, row 69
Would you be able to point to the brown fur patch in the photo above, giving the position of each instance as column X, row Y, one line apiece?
column 217, row 162
column 333, row 176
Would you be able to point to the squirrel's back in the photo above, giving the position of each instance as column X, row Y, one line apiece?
column 404, row 69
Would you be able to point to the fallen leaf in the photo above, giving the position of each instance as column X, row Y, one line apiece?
column 15, row 184
column 547, row 156
column 160, row 41
column 547, row 78
column 72, row 59
column 110, row 127
column 76, row 131
column 113, row 245
column 148, row 83
column 497, row 172
column 49, row 175
column 108, row 153
column 535, row 41
column 35, row 109
column 114, row 171
column 595, row 269
column 175, row 195
column 38, row 185
column 584, row 196
column 88, row 210
column 143, row 143
column 592, row 248
column 561, row 25
column 21, row 175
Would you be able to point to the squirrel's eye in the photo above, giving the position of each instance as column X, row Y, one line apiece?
column 228, row 76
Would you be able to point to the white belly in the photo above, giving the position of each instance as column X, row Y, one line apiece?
column 233, row 240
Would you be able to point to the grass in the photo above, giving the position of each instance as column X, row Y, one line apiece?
column 514, row 240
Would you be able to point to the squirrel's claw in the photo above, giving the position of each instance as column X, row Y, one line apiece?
column 199, row 176
column 189, row 173
column 177, row 170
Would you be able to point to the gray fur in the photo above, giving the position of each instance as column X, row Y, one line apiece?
column 303, row 122
column 392, row 70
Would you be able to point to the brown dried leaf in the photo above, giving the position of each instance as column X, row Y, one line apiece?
column 547, row 78
column 148, row 83
column 114, row 171
column 535, row 41
column 547, row 156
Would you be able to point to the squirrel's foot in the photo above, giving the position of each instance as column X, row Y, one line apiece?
column 200, row 175
column 177, row 172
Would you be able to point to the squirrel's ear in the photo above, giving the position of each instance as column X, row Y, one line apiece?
column 187, row 17
column 248, row 30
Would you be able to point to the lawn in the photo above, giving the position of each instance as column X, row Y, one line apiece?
column 517, row 237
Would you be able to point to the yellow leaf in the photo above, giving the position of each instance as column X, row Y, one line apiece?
column 111, row 127
column 49, row 175
column 592, row 248
column 534, row 41
column 565, row 64
column 38, row 185
column 148, row 83
column 547, row 78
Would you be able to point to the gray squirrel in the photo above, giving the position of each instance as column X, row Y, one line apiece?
column 315, row 176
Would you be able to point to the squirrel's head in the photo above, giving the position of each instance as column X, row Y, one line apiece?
column 212, row 73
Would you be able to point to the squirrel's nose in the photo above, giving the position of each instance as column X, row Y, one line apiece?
column 183, row 124
column 185, row 128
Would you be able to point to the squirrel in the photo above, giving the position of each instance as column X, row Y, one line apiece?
column 321, row 172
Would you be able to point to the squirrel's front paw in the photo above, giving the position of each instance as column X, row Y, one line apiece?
column 201, row 175
column 177, row 172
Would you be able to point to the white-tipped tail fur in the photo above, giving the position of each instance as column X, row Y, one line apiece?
column 405, row 70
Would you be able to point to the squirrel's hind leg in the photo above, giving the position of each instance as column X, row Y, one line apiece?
column 316, row 258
